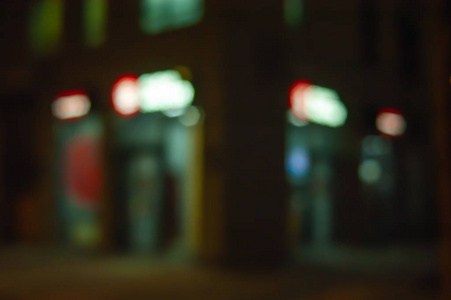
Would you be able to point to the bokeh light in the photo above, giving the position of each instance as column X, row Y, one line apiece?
column 317, row 104
column 164, row 90
column 125, row 96
column 390, row 122
column 95, row 20
column 298, row 100
column 295, row 121
column 172, row 113
column 46, row 26
column 83, row 171
column 191, row 117
column 323, row 106
column 298, row 162
column 162, row 15
column 71, row 105
column 370, row 171
column 293, row 12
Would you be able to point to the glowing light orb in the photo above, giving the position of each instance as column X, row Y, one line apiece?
column 172, row 113
column 370, row 171
column 317, row 104
column 298, row 100
column 71, row 105
column 164, row 90
column 191, row 117
column 125, row 96
column 390, row 122
column 298, row 162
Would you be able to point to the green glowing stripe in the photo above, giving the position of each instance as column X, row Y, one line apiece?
column 294, row 12
column 95, row 16
column 46, row 25
column 162, row 15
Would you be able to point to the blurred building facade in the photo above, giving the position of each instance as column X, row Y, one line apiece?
column 242, row 58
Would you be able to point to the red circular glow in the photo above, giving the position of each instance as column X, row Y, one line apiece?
column 125, row 96
column 297, row 99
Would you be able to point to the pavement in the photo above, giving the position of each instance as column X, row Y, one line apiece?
column 55, row 273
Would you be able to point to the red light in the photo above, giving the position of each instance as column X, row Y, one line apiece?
column 389, row 110
column 125, row 96
column 71, row 93
column 297, row 99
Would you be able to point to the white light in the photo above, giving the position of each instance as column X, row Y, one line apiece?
column 191, row 117
column 125, row 96
column 323, row 106
column 69, row 107
column 164, row 90
column 316, row 104
column 392, row 124
column 370, row 171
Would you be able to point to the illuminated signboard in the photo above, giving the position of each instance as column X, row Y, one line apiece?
column 317, row 104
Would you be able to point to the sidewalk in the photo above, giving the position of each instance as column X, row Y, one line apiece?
column 52, row 274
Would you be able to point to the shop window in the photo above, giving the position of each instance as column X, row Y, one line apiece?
column 78, row 184
column 94, row 20
column 163, row 15
column 46, row 26
column 157, row 146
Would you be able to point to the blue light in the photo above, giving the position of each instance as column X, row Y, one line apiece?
column 298, row 162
